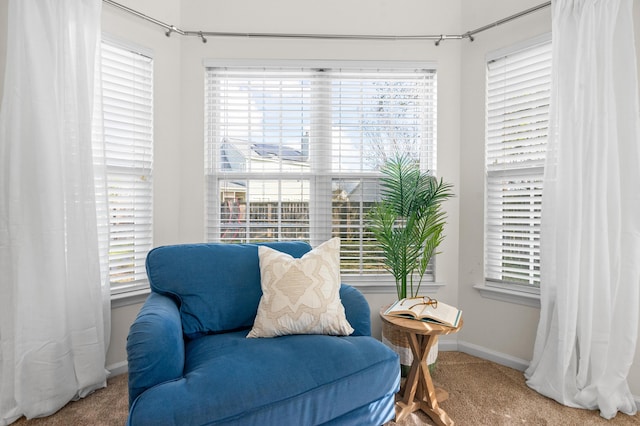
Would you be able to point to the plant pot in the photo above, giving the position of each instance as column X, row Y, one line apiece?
column 399, row 342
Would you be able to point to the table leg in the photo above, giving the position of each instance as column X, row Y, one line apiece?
column 419, row 392
column 409, row 402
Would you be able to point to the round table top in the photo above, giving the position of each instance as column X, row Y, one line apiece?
column 418, row 327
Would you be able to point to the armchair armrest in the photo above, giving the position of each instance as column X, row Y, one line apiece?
column 155, row 345
column 357, row 310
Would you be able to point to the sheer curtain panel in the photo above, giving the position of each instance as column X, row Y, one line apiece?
column 590, row 236
column 52, row 323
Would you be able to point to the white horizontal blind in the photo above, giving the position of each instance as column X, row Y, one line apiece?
column 378, row 113
column 518, row 92
column 127, row 97
column 295, row 153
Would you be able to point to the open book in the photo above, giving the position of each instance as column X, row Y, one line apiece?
column 426, row 309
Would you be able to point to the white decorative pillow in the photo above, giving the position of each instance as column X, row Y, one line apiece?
column 301, row 296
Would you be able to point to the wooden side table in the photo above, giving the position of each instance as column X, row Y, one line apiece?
column 418, row 392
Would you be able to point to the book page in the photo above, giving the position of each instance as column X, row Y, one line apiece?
column 406, row 306
column 426, row 309
column 443, row 312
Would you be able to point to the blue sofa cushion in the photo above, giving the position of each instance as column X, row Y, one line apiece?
column 299, row 379
column 217, row 286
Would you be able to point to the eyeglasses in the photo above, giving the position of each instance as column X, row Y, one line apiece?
column 427, row 301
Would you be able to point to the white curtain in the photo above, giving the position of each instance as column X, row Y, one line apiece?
column 590, row 236
column 53, row 315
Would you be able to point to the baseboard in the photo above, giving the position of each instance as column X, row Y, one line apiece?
column 497, row 357
column 447, row 345
column 494, row 356
column 118, row 368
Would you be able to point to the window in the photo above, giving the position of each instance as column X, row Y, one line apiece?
column 518, row 91
column 294, row 153
column 127, row 104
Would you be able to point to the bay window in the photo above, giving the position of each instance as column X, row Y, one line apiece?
column 293, row 152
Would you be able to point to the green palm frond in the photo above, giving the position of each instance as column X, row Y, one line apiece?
column 408, row 222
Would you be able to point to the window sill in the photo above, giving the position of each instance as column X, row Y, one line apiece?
column 509, row 295
column 127, row 298
column 376, row 284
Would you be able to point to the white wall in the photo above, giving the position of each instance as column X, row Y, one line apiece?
column 497, row 327
column 331, row 17
column 179, row 102
column 506, row 328
column 4, row 11
column 167, row 135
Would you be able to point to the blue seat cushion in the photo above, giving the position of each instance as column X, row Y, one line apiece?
column 300, row 379
column 216, row 286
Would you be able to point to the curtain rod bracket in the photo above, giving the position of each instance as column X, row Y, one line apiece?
column 204, row 40
column 171, row 29
column 439, row 40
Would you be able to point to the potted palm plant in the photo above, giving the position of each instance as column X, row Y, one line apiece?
column 408, row 224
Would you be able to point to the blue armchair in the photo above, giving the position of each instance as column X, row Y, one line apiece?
column 190, row 362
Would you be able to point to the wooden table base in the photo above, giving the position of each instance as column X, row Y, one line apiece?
column 419, row 392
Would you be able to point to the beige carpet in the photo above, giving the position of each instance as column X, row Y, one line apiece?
column 108, row 406
column 484, row 393
column 480, row 393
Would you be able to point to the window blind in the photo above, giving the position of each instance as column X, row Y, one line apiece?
column 294, row 153
column 518, row 92
column 127, row 105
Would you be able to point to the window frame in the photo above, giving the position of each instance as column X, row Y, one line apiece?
column 130, row 291
column 524, row 294
column 374, row 282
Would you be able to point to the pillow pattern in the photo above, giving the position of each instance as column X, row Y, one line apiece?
column 300, row 296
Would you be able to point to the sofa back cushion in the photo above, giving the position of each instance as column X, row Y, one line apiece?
column 216, row 286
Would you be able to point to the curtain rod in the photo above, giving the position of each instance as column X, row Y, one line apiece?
column 438, row 38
